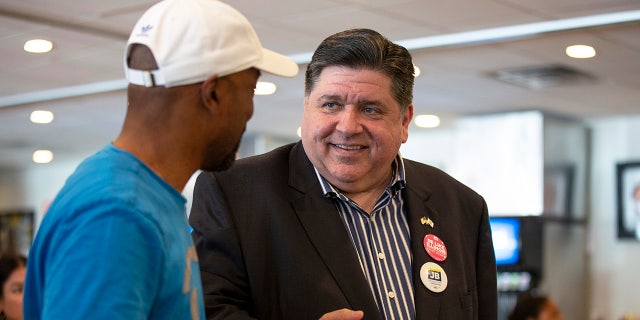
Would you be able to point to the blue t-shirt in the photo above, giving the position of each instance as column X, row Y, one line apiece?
column 114, row 244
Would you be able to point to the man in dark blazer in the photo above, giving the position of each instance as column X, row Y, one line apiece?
column 339, row 225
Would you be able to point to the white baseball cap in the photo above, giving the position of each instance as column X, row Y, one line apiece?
column 192, row 40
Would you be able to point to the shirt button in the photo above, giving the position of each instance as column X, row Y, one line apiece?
column 391, row 294
column 381, row 256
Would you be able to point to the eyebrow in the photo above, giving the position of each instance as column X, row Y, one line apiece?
column 330, row 97
column 370, row 102
column 336, row 97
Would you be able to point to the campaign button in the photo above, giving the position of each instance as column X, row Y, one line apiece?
column 433, row 277
column 435, row 247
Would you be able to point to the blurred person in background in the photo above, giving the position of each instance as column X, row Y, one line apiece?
column 534, row 307
column 636, row 208
column 12, row 274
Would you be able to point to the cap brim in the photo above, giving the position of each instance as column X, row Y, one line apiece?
column 277, row 64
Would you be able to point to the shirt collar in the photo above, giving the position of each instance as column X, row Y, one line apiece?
column 397, row 183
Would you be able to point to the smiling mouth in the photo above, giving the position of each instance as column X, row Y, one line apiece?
column 346, row 147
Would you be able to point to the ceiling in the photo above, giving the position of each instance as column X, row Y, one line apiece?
column 81, row 80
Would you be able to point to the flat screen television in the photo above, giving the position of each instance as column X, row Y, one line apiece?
column 506, row 240
column 518, row 243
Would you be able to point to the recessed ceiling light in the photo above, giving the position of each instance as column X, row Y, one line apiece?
column 427, row 121
column 299, row 132
column 416, row 71
column 265, row 88
column 38, row 46
column 42, row 156
column 41, row 116
column 580, row 51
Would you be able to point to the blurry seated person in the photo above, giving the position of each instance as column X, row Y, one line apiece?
column 532, row 307
column 12, row 273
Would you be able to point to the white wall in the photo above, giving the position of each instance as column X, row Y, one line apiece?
column 11, row 190
column 42, row 183
column 614, row 264
column 431, row 146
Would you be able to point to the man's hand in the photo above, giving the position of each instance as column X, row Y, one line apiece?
column 343, row 314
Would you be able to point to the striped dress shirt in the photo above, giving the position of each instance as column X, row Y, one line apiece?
column 381, row 240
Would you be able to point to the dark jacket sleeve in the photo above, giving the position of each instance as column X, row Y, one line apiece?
column 225, row 286
column 486, row 271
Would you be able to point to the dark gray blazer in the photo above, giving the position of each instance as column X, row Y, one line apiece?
column 271, row 246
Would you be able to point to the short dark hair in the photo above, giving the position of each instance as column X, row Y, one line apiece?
column 365, row 49
column 9, row 263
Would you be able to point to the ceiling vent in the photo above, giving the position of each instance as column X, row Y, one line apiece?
column 540, row 77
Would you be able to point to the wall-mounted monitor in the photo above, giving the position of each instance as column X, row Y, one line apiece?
column 518, row 243
column 506, row 240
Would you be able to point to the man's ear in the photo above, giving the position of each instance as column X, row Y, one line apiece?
column 209, row 90
column 406, row 121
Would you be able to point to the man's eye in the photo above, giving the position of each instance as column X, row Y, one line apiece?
column 330, row 105
column 369, row 110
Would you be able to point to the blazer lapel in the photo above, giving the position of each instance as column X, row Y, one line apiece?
column 417, row 196
column 319, row 217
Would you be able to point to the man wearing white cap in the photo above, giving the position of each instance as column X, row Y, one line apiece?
column 115, row 243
